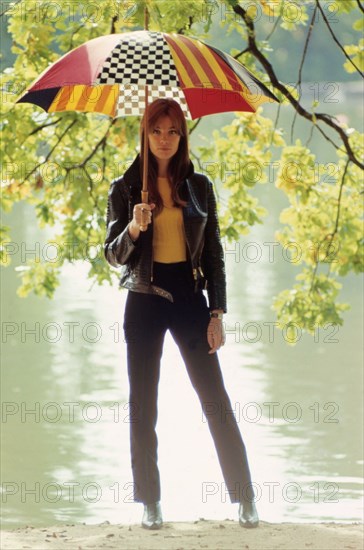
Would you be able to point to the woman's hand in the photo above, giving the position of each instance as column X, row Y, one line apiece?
column 215, row 334
column 142, row 217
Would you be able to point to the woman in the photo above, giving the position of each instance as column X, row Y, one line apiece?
column 170, row 250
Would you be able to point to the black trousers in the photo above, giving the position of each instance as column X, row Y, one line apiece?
column 147, row 318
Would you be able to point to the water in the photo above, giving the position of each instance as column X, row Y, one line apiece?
column 65, row 432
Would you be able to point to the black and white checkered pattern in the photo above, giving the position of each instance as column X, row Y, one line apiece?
column 144, row 58
column 132, row 99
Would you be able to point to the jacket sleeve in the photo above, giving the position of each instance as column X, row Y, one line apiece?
column 118, row 246
column 212, row 259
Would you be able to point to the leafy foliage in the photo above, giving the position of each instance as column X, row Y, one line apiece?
column 62, row 163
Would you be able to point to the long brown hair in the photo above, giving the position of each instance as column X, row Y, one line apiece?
column 179, row 164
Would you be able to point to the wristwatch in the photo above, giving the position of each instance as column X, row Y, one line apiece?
column 215, row 315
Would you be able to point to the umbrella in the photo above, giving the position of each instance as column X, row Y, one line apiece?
column 116, row 74
column 108, row 75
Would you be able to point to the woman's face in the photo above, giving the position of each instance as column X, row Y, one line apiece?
column 164, row 139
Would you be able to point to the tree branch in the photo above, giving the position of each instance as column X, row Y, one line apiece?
column 38, row 129
column 275, row 26
column 279, row 86
column 46, row 125
column 336, row 227
column 241, row 53
column 12, row 5
column 360, row 6
column 190, row 23
column 336, row 40
column 113, row 24
column 27, row 176
column 310, row 136
column 102, row 143
column 70, row 47
column 195, row 125
column 339, row 199
column 192, row 154
column 298, row 85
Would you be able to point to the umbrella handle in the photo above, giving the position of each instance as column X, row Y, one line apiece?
column 145, row 196
column 144, row 199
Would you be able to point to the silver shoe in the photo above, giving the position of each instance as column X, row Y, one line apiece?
column 152, row 516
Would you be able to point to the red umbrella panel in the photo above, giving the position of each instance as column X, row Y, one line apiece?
column 109, row 74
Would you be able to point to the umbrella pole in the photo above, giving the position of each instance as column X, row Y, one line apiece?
column 145, row 138
column 145, row 149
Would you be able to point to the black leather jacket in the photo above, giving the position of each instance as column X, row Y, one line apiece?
column 204, row 249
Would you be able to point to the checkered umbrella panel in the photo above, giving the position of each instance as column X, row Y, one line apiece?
column 108, row 75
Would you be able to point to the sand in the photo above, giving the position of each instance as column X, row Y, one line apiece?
column 211, row 535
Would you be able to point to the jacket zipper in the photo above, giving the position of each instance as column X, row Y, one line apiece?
column 152, row 260
column 194, row 270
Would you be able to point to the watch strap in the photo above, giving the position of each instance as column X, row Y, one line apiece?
column 215, row 315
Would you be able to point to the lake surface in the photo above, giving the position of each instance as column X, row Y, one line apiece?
column 65, row 431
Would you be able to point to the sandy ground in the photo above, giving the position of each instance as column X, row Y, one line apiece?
column 212, row 535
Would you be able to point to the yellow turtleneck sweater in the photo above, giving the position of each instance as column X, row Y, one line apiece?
column 168, row 232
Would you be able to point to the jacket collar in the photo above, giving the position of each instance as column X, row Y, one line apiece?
column 133, row 178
